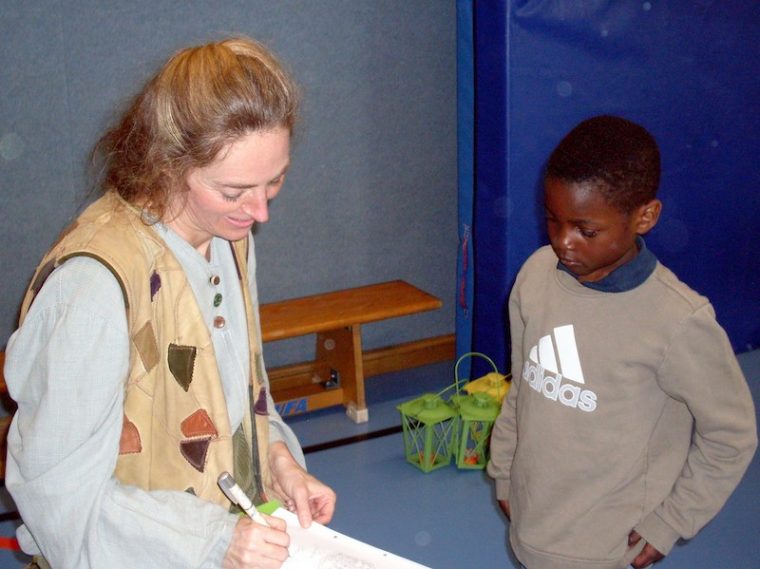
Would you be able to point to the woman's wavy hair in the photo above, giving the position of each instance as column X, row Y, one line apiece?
column 203, row 98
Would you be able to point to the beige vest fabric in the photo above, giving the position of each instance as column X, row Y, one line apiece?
column 176, row 433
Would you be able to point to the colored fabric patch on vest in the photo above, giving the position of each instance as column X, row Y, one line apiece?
column 181, row 362
column 155, row 284
column 147, row 347
column 260, row 408
column 195, row 452
column 199, row 424
column 242, row 461
column 130, row 442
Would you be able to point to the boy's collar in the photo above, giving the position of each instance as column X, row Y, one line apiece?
column 626, row 277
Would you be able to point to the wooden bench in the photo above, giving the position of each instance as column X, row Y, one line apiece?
column 337, row 374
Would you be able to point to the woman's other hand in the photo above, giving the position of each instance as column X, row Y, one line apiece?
column 307, row 496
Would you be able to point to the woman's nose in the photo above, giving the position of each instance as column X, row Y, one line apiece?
column 257, row 207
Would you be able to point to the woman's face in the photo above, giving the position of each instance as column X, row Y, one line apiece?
column 225, row 198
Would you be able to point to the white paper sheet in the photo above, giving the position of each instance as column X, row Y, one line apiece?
column 319, row 547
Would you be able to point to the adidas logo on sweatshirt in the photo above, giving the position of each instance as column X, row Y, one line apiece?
column 554, row 370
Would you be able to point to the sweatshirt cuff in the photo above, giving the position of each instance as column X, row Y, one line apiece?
column 502, row 489
column 657, row 533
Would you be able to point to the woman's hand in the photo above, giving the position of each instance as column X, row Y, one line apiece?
column 303, row 493
column 256, row 545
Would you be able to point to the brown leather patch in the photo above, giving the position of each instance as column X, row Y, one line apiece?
column 130, row 442
column 181, row 360
column 199, row 424
column 146, row 345
column 195, row 452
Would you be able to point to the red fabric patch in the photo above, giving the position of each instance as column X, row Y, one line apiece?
column 199, row 424
column 130, row 442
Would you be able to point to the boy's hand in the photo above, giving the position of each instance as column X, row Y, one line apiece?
column 647, row 556
column 504, row 505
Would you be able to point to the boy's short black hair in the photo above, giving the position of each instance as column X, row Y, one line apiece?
column 618, row 156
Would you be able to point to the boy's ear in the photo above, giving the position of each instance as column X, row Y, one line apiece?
column 647, row 216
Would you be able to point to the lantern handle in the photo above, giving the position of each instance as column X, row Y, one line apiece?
column 469, row 354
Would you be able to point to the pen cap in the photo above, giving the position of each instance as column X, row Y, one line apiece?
column 233, row 492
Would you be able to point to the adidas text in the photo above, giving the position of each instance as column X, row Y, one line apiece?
column 552, row 388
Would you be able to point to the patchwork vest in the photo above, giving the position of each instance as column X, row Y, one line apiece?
column 176, row 432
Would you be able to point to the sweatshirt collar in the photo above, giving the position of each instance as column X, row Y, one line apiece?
column 626, row 277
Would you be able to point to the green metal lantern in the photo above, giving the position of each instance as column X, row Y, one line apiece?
column 477, row 413
column 429, row 426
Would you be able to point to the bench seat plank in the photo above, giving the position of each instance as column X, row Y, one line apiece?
column 344, row 308
column 336, row 319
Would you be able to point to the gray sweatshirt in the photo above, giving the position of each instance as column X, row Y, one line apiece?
column 628, row 410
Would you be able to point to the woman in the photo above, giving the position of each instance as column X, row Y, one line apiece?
column 137, row 364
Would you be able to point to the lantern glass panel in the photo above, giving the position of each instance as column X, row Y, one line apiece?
column 477, row 414
column 429, row 425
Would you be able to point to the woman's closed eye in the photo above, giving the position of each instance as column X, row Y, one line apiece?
column 232, row 197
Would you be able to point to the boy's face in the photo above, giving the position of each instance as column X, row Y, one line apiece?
column 591, row 237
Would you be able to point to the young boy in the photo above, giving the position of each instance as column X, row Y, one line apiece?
column 629, row 422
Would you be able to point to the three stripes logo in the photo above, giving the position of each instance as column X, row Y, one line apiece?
column 554, row 362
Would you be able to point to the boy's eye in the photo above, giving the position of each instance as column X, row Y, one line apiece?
column 589, row 233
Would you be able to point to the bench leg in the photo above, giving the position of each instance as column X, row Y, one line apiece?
column 342, row 350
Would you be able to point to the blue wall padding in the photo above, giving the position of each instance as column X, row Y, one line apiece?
column 490, row 234
column 465, row 180
column 688, row 72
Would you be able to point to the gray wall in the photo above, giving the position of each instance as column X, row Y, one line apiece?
column 372, row 192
